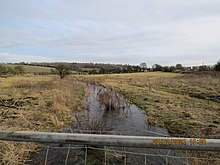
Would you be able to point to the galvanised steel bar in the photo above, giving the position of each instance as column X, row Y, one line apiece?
column 113, row 140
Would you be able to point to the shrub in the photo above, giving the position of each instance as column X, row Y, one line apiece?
column 62, row 70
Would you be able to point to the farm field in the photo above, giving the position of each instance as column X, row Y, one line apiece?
column 35, row 103
column 185, row 104
column 31, row 69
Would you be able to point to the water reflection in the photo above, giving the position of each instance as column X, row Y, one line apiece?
column 109, row 113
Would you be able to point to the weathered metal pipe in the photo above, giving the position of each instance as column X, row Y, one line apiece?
column 113, row 140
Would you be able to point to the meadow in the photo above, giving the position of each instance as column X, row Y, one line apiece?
column 31, row 69
column 35, row 103
column 187, row 105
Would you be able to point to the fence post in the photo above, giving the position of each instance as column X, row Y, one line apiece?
column 46, row 156
column 86, row 156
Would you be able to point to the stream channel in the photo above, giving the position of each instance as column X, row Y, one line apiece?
column 107, row 112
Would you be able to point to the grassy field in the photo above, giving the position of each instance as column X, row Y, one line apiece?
column 175, row 101
column 35, row 103
column 180, row 103
column 31, row 69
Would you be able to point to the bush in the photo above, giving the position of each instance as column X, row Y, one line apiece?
column 3, row 70
column 19, row 69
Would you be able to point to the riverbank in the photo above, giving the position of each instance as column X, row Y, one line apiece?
column 107, row 112
column 35, row 103
column 46, row 103
column 170, row 100
column 178, row 102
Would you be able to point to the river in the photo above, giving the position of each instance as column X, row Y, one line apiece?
column 107, row 112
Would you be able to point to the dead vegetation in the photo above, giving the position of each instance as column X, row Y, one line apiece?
column 169, row 99
column 19, row 103
column 111, row 100
column 182, row 103
column 38, row 103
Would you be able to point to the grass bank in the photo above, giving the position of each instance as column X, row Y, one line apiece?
column 186, row 105
column 180, row 103
column 35, row 103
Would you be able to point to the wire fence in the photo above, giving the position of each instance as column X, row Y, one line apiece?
column 66, row 154
column 108, row 155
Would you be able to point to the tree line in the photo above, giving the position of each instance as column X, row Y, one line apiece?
column 101, row 68
column 180, row 68
column 129, row 69
column 63, row 69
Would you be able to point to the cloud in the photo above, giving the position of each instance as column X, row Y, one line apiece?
column 13, row 57
column 122, row 31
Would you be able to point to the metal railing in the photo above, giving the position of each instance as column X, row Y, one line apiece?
column 113, row 140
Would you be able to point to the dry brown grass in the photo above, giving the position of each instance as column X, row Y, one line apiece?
column 10, row 154
column 111, row 100
column 47, row 105
column 174, row 101
column 203, row 155
column 171, row 100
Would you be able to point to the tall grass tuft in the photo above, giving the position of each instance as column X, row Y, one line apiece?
column 111, row 100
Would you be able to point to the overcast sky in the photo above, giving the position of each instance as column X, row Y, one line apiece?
column 110, row 31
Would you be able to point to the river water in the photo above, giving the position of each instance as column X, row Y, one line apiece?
column 109, row 113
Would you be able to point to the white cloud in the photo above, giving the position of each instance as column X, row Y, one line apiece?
column 13, row 57
column 125, row 31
